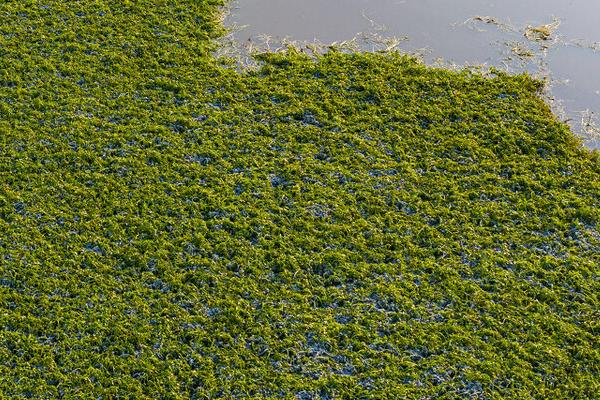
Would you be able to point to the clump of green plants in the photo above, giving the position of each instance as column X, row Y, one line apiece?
column 347, row 226
column 542, row 32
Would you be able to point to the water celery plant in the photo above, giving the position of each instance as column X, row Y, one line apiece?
column 357, row 226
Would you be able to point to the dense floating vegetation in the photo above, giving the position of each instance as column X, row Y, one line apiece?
column 356, row 226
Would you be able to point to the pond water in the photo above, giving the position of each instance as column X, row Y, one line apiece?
column 556, row 39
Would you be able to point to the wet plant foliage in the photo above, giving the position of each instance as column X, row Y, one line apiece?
column 356, row 226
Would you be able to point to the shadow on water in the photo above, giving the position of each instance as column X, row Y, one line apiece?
column 555, row 39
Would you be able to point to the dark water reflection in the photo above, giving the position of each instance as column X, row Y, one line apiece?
column 447, row 30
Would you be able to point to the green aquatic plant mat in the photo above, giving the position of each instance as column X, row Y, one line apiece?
column 357, row 226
